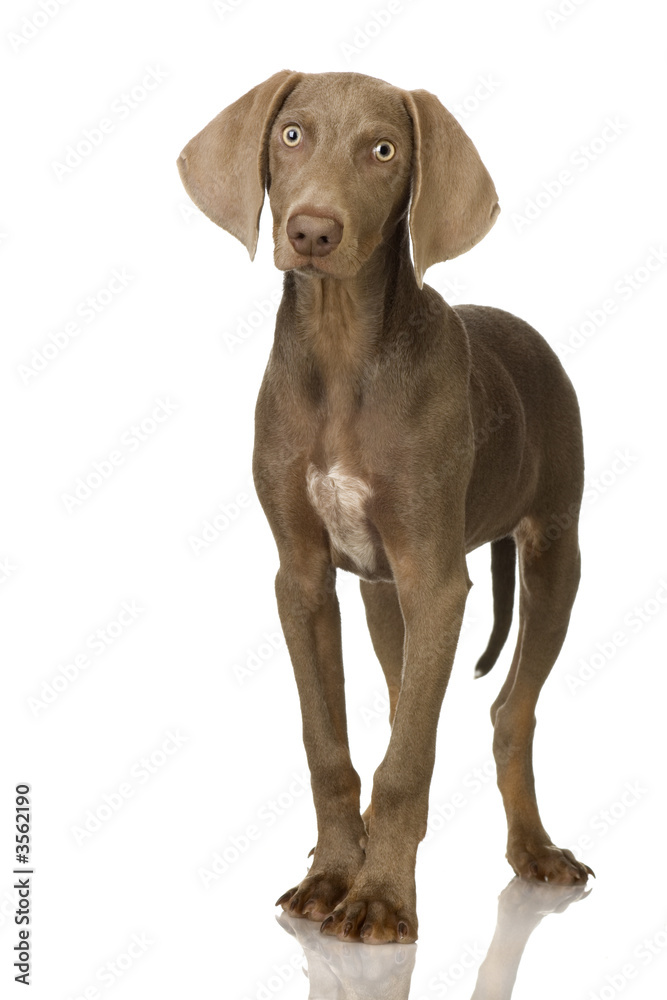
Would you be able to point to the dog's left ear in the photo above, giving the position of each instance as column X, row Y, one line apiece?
column 224, row 167
column 454, row 201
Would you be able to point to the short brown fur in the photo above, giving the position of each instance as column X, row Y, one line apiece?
column 395, row 434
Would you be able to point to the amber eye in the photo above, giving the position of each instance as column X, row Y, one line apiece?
column 292, row 135
column 384, row 151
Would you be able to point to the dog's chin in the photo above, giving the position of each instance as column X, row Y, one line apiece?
column 331, row 266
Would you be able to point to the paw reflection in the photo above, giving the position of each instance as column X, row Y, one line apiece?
column 341, row 971
column 522, row 905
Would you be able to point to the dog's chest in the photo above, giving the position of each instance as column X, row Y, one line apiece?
column 341, row 501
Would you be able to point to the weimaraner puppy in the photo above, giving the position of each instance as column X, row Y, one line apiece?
column 395, row 434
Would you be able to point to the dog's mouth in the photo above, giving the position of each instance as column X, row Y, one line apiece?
column 342, row 262
column 310, row 267
column 316, row 266
column 332, row 266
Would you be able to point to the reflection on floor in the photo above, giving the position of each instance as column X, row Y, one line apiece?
column 349, row 971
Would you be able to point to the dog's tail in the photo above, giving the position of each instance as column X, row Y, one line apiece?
column 503, row 571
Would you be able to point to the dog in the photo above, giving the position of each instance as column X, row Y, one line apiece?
column 393, row 435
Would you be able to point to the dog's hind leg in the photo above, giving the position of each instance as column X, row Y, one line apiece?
column 549, row 575
column 387, row 630
column 385, row 624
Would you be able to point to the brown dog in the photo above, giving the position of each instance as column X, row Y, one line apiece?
column 394, row 435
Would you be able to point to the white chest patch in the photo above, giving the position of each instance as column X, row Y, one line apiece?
column 340, row 500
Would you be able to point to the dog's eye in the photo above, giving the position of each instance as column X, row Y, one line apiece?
column 292, row 135
column 384, row 151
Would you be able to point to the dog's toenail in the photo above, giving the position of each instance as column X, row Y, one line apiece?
column 285, row 896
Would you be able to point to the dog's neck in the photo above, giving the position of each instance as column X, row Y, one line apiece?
column 341, row 324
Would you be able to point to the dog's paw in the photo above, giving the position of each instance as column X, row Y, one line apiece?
column 544, row 862
column 316, row 896
column 372, row 919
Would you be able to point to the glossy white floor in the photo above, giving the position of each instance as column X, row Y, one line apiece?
column 147, row 697
column 168, row 816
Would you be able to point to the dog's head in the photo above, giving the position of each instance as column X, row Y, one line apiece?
column 343, row 157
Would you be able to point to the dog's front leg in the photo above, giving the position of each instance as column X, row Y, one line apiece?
column 381, row 905
column 310, row 617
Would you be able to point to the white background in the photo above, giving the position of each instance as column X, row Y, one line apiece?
column 535, row 94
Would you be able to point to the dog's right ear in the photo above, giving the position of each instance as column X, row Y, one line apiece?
column 224, row 167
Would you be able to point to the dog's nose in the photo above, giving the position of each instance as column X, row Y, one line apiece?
column 314, row 235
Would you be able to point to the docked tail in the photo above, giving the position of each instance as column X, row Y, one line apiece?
column 503, row 570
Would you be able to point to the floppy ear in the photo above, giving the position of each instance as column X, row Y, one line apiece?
column 224, row 167
column 454, row 202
